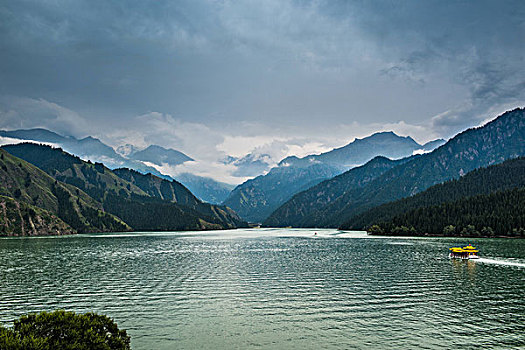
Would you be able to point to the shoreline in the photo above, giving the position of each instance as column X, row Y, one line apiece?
column 441, row 236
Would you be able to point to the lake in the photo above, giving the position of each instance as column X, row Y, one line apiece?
column 275, row 288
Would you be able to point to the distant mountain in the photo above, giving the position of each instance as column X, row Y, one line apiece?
column 309, row 208
column 250, row 165
column 128, row 156
column 360, row 151
column 171, row 207
column 431, row 145
column 460, row 202
column 82, row 147
column 501, row 139
column 37, row 134
column 159, row 155
column 205, row 188
column 86, row 148
column 256, row 199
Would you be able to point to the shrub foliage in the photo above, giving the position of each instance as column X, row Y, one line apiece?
column 64, row 330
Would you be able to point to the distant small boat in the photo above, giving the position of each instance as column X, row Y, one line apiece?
column 468, row 252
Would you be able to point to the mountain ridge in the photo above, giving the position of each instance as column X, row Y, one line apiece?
column 481, row 181
column 159, row 155
column 123, row 198
column 25, row 183
column 256, row 199
column 207, row 189
column 496, row 141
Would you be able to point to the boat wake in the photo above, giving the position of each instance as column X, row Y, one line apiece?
column 500, row 262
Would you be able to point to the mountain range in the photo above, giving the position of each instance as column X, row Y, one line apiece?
column 256, row 199
column 34, row 203
column 159, row 155
column 468, row 200
column 90, row 197
column 330, row 203
column 360, row 151
column 91, row 148
column 471, row 185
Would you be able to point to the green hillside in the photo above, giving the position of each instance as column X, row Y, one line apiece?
column 173, row 191
column 22, row 219
column 500, row 139
column 160, row 205
column 497, row 213
column 308, row 208
column 33, row 188
column 507, row 175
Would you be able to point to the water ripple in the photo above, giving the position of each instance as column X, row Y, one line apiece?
column 274, row 289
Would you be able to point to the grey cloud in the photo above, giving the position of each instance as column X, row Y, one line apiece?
column 290, row 65
column 27, row 113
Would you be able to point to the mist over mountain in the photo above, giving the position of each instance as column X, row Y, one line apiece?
column 360, row 151
column 250, row 165
column 205, row 188
column 87, row 148
column 498, row 140
column 159, row 155
column 140, row 202
column 128, row 156
column 256, row 199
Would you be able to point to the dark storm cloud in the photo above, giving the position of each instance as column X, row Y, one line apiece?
column 313, row 68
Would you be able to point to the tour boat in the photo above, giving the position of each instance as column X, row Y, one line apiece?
column 468, row 252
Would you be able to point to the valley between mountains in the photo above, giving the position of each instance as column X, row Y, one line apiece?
column 472, row 185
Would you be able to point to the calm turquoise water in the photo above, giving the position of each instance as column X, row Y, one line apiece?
column 275, row 289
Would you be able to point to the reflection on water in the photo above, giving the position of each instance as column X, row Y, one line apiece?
column 274, row 288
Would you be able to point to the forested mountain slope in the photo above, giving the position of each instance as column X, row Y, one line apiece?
column 40, row 198
column 483, row 181
column 123, row 198
column 496, row 213
column 173, row 191
column 498, row 140
column 305, row 209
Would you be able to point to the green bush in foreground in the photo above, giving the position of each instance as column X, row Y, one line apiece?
column 64, row 330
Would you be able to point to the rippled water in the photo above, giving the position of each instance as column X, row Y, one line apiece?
column 273, row 288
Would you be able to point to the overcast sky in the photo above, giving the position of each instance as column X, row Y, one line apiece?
column 276, row 77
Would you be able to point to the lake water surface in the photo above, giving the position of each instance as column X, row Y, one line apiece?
column 275, row 288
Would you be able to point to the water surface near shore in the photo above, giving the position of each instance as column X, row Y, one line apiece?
column 275, row 288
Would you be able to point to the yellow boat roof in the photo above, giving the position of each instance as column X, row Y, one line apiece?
column 463, row 250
